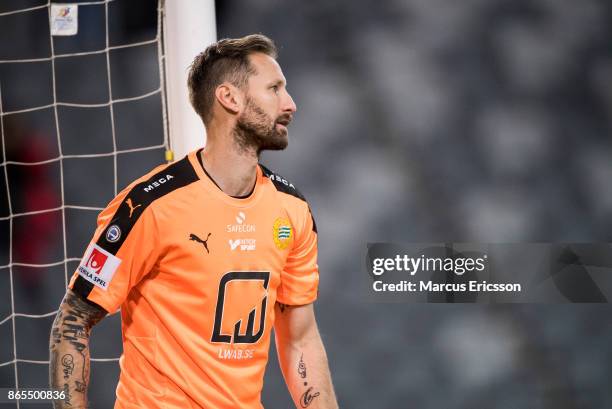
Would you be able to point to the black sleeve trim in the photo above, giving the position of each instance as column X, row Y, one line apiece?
column 169, row 179
column 82, row 287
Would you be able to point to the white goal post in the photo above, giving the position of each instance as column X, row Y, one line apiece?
column 189, row 27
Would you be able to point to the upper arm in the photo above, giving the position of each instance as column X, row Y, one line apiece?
column 295, row 323
column 122, row 252
column 300, row 276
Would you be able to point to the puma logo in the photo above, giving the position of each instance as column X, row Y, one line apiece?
column 199, row 240
column 132, row 207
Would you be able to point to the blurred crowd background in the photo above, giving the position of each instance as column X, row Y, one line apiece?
column 418, row 121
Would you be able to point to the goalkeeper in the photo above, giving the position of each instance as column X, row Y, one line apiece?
column 205, row 256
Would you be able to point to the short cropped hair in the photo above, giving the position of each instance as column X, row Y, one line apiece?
column 225, row 60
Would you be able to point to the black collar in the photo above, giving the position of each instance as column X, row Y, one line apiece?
column 198, row 154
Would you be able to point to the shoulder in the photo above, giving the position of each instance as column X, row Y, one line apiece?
column 295, row 201
column 281, row 184
column 162, row 180
column 132, row 203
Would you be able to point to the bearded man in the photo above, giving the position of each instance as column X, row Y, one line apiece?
column 205, row 256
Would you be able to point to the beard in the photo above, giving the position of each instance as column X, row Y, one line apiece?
column 256, row 130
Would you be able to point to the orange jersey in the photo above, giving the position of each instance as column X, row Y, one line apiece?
column 197, row 273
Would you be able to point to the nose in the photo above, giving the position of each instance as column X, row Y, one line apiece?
column 288, row 104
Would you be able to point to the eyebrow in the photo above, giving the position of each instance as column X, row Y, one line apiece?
column 278, row 82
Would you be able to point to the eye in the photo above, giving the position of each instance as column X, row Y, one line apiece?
column 274, row 88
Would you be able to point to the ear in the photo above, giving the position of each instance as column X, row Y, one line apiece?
column 230, row 97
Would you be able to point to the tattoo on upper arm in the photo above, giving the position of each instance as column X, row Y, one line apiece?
column 56, row 336
column 310, row 394
column 78, row 318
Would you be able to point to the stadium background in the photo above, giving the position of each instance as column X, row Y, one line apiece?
column 418, row 120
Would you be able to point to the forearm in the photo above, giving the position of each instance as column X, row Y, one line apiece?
column 306, row 371
column 69, row 351
column 69, row 372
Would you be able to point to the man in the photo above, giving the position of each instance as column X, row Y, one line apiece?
column 204, row 256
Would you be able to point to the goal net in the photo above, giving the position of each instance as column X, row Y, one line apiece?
column 82, row 114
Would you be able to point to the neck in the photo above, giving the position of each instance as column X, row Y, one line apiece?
column 231, row 166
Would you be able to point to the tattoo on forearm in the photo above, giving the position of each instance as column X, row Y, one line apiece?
column 302, row 367
column 307, row 397
column 68, row 363
column 310, row 394
column 70, row 341
column 80, row 387
column 67, row 394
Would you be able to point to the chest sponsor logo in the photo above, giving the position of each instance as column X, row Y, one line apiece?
column 240, row 218
column 241, row 226
column 158, row 182
column 242, row 244
column 282, row 233
column 98, row 266
column 240, row 315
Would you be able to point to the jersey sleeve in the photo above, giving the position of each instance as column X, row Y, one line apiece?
column 122, row 252
column 300, row 277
